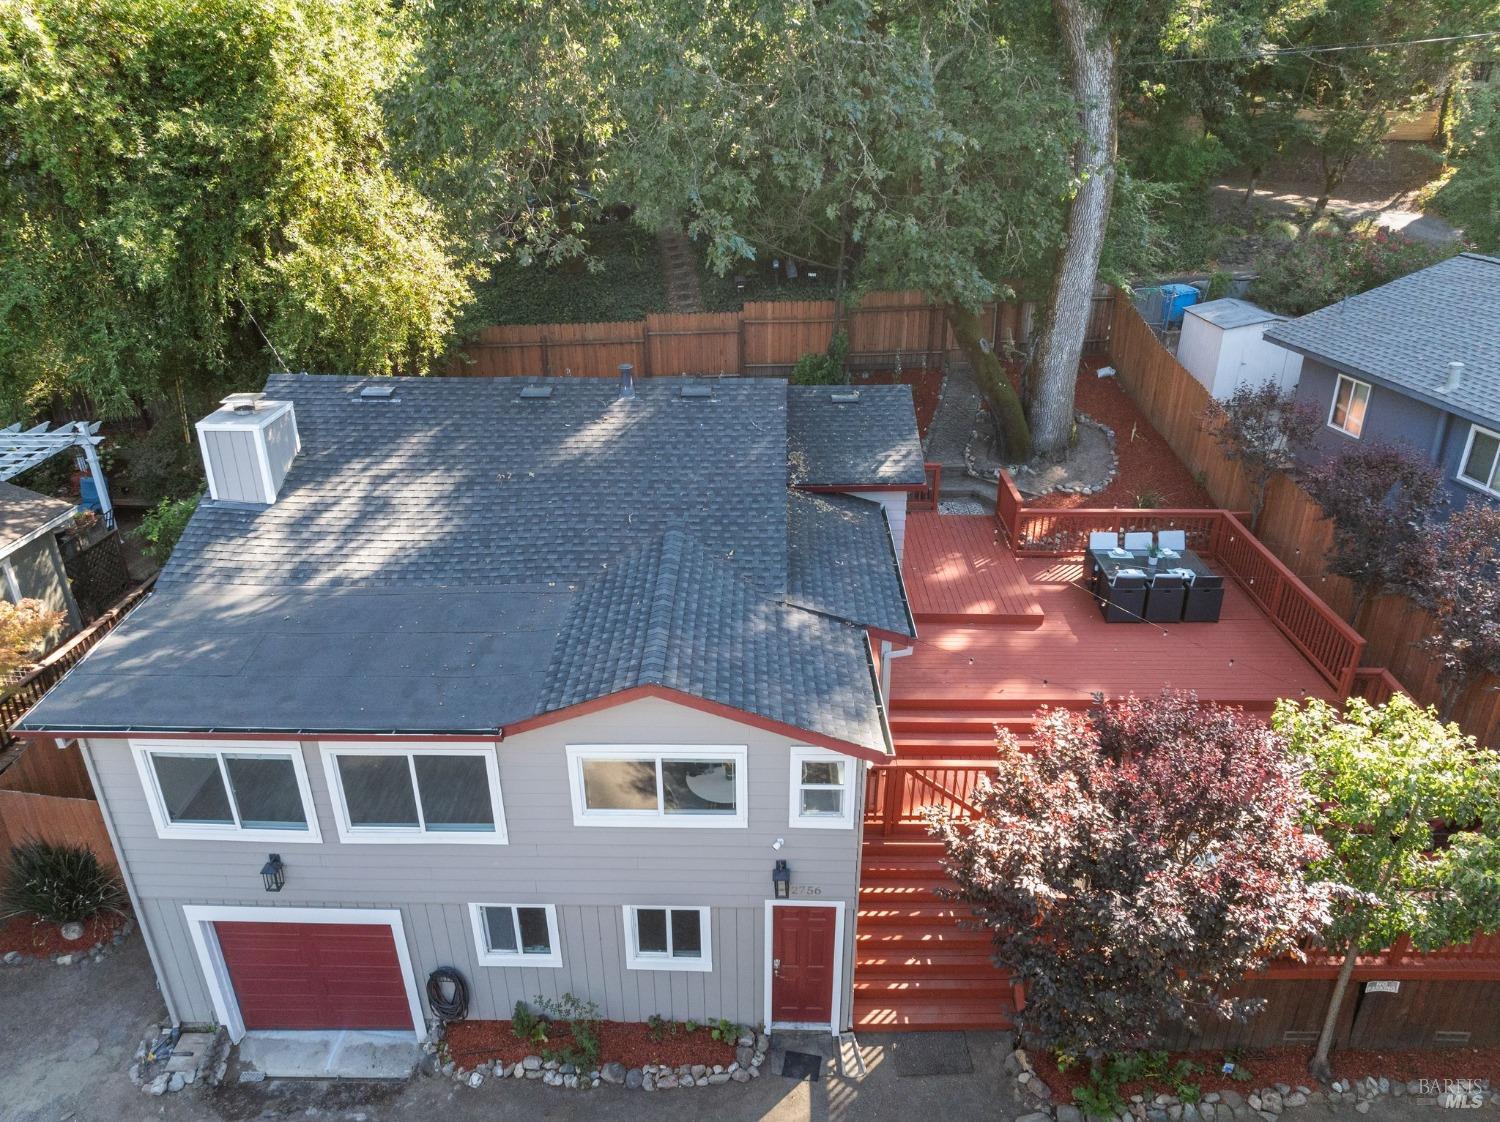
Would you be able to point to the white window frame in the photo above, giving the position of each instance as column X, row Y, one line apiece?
column 844, row 821
column 419, row 834
column 635, row 960
column 1334, row 404
column 1491, row 488
column 142, row 750
column 584, row 816
column 488, row 957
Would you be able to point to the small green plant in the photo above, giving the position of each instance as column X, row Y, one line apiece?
column 1150, row 500
column 1066, row 1061
column 583, row 1026
column 1100, row 1098
column 690, row 1026
column 163, row 525
column 1219, row 283
column 656, row 1027
column 526, row 1026
column 60, row 883
column 826, row 369
column 724, row 1031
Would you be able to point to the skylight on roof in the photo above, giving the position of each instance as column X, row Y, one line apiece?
column 844, row 397
column 533, row 391
column 696, row 390
column 377, row 392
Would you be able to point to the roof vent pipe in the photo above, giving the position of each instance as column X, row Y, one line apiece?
column 627, row 380
column 1455, row 378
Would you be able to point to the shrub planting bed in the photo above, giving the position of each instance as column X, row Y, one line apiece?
column 25, row 938
column 471, row 1043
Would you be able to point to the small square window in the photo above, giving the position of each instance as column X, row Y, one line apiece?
column 667, row 939
column 822, row 792
column 516, row 934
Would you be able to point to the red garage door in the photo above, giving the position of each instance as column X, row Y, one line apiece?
column 315, row 975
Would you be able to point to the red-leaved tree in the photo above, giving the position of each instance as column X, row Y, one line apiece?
column 1380, row 499
column 1462, row 590
column 1263, row 428
column 1134, row 866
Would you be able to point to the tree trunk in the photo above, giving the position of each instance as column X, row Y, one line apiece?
column 1005, row 406
column 1452, row 691
column 1093, row 75
column 1318, row 1065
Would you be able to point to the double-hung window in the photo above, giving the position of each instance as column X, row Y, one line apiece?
column 638, row 785
column 1350, row 401
column 442, row 793
column 822, row 791
column 240, row 790
column 516, row 934
column 1481, row 463
column 667, row 938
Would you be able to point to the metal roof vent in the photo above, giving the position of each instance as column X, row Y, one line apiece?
column 534, row 391
column 1455, row 378
column 696, row 389
column 627, row 380
column 844, row 397
column 377, row 391
column 242, row 402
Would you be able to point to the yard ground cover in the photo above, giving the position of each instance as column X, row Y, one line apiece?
column 471, row 1043
column 1150, row 474
column 38, row 939
column 1269, row 1066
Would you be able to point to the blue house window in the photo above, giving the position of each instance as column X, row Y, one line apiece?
column 1481, row 463
column 1350, row 400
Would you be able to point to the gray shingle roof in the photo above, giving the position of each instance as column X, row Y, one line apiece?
column 673, row 615
column 842, row 562
column 1406, row 332
column 869, row 442
column 24, row 512
column 459, row 559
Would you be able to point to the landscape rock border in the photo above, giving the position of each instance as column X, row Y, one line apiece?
column 1265, row 1103
column 165, row 1062
column 980, row 465
column 750, row 1057
column 94, row 953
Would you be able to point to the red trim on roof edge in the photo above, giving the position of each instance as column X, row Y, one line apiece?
column 717, row 709
column 850, row 488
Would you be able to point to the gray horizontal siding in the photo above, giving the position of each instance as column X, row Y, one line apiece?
column 588, row 873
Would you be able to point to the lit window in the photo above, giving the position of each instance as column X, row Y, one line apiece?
column 1481, row 464
column 822, row 790
column 439, row 794
column 244, row 790
column 667, row 939
column 516, row 934
column 1350, row 401
column 615, row 785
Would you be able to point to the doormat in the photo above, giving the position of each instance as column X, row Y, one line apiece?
column 802, row 1065
column 932, row 1053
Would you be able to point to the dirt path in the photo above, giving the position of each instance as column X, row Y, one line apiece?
column 680, row 271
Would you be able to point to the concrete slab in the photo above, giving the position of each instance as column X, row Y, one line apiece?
column 335, row 1054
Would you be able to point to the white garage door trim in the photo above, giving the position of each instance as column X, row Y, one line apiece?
column 202, row 917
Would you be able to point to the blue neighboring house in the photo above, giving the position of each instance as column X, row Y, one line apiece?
column 1415, row 361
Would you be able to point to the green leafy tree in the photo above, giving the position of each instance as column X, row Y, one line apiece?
column 1471, row 195
column 163, row 526
column 1410, row 811
column 189, row 183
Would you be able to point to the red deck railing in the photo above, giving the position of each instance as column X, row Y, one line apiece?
column 1330, row 644
column 897, row 793
column 927, row 497
column 1375, row 684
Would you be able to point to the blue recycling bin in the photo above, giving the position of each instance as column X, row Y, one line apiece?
column 1176, row 299
column 88, row 494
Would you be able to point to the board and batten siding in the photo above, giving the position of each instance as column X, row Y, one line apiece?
column 281, row 446
column 588, row 873
column 234, row 461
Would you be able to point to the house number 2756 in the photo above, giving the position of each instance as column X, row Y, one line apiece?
column 806, row 890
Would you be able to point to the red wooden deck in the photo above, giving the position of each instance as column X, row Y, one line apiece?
column 1013, row 661
column 957, row 570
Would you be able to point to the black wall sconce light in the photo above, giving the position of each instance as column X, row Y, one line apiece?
column 781, row 880
column 273, row 872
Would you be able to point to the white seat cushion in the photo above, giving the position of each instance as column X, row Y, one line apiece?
column 1172, row 539
column 1138, row 539
column 1103, row 539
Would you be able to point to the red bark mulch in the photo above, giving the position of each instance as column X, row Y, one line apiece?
column 926, row 388
column 1147, row 463
column 1269, row 1066
column 30, row 936
column 471, row 1043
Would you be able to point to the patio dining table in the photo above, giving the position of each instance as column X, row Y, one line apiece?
column 1109, row 562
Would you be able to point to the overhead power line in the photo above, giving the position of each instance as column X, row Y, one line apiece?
column 1287, row 52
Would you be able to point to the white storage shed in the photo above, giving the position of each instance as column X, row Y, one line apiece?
column 1222, row 346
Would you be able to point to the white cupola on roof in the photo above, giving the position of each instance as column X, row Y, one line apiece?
column 248, row 445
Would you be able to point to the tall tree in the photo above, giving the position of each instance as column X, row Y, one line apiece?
column 196, row 190
column 1461, row 587
column 1410, row 811
column 1380, row 499
column 1133, row 865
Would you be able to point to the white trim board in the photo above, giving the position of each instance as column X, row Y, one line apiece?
column 202, row 917
column 835, row 1007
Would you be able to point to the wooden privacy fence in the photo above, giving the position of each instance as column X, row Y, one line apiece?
column 1330, row 644
column 25, row 815
column 764, row 337
column 1292, row 525
column 897, row 793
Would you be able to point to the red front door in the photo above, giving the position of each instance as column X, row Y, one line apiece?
column 803, row 954
column 315, row 975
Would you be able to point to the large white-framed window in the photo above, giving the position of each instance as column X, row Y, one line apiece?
column 822, row 789
column 1351, row 400
column 701, row 785
column 1480, row 466
column 441, row 794
column 675, row 937
column 516, row 934
column 240, row 790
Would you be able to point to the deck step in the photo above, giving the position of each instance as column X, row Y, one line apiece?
column 927, row 1017
column 961, row 962
column 881, row 938
column 956, row 720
